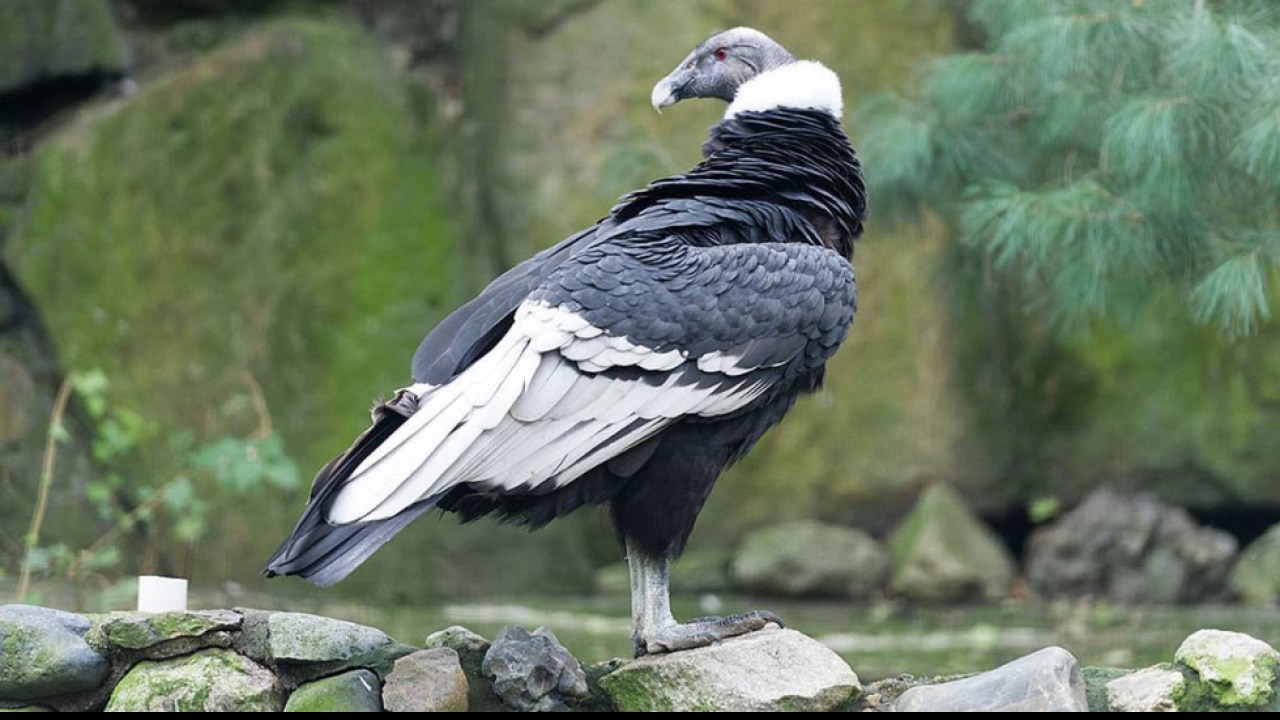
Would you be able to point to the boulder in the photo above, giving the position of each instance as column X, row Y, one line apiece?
column 1129, row 549
column 1047, row 680
column 1149, row 690
column 208, row 681
column 767, row 670
column 1255, row 578
column 810, row 559
column 533, row 671
column 471, row 649
column 943, row 553
column 427, row 681
column 1231, row 671
column 43, row 39
column 138, row 631
column 351, row 691
column 299, row 637
column 43, row 653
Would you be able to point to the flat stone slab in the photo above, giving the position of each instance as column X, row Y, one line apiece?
column 767, row 670
column 300, row 637
column 137, row 630
column 1047, row 680
column 43, row 654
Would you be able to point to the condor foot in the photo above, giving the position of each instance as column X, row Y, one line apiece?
column 703, row 632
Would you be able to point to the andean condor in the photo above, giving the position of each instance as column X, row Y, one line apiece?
column 635, row 360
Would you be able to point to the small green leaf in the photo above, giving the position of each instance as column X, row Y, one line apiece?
column 58, row 431
column 1043, row 509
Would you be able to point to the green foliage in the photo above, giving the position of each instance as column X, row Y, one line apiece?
column 1102, row 151
column 1043, row 509
column 263, row 224
column 170, row 515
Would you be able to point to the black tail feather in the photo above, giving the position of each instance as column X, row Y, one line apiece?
column 325, row 553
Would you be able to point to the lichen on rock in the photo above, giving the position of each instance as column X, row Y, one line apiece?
column 208, row 681
column 1229, row 671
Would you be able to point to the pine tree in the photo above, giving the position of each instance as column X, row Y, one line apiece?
column 1102, row 150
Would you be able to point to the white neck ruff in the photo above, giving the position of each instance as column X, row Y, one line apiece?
column 803, row 85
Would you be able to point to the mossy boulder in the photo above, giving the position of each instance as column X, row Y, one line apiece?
column 304, row 638
column 136, row 631
column 43, row 39
column 942, row 553
column 1255, row 577
column 207, row 681
column 810, row 559
column 352, row 691
column 767, row 670
column 1227, row 671
column 43, row 654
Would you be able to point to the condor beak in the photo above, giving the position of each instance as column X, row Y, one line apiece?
column 669, row 89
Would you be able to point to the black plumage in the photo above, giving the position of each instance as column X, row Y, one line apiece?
column 629, row 364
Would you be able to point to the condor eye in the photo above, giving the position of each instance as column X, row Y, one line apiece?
column 721, row 54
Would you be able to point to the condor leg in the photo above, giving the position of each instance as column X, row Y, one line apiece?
column 655, row 630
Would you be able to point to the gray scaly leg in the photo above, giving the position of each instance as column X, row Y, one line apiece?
column 655, row 630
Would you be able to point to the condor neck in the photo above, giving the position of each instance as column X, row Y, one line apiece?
column 801, row 85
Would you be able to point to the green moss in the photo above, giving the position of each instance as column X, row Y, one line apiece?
column 1218, row 680
column 629, row 692
column 355, row 691
column 265, row 217
column 1095, row 685
column 188, row 684
column 1201, row 694
column 135, row 631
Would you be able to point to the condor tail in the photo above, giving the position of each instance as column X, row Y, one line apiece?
column 324, row 553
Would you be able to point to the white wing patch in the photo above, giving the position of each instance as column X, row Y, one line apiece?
column 535, row 409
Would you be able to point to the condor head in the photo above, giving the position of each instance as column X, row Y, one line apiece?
column 719, row 66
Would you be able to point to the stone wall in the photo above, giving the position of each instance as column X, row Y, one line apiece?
column 253, row 660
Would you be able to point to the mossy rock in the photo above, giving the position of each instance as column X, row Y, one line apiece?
column 1227, row 671
column 43, row 654
column 42, row 39
column 208, row 681
column 1255, row 577
column 942, row 552
column 136, row 631
column 352, row 691
column 811, row 559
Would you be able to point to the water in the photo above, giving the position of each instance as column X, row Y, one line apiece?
column 878, row 640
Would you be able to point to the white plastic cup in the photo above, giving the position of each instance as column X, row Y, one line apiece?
column 161, row 594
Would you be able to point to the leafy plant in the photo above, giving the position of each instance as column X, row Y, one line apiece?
column 169, row 516
column 1102, row 150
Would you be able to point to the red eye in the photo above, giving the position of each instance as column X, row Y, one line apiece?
column 721, row 54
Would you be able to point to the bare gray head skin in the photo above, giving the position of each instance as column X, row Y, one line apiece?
column 719, row 66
